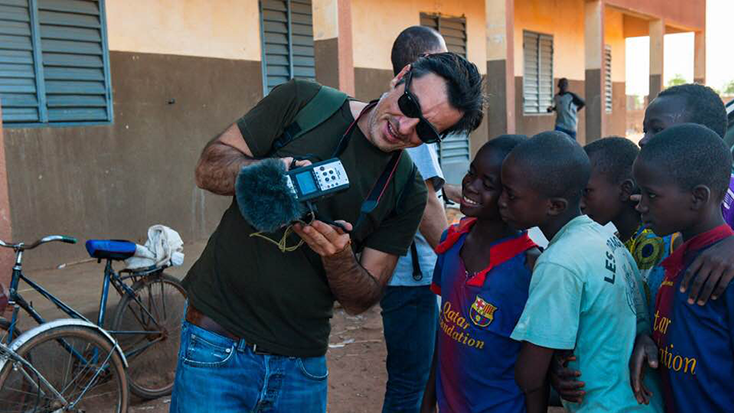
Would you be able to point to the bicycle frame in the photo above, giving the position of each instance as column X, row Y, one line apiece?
column 110, row 278
column 12, row 357
column 8, row 355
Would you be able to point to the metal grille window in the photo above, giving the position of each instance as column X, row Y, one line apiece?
column 453, row 30
column 608, row 103
column 54, row 63
column 538, row 72
column 454, row 151
column 287, row 41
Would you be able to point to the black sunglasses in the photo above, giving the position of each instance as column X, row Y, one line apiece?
column 410, row 107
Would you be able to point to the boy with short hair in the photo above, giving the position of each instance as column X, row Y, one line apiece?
column 683, row 174
column 713, row 270
column 482, row 275
column 585, row 292
column 606, row 199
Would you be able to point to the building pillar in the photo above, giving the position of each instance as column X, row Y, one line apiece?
column 332, row 33
column 6, row 255
column 657, row 53
column 500, row 18
column 699, row 58
column 594, row 57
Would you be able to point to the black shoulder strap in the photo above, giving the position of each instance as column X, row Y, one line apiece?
column 370, row 203
column 321, row 107
column 417, row 273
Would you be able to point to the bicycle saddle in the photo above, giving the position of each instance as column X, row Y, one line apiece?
column 110, row 249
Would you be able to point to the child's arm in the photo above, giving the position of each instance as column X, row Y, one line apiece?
column 564, row 380
column 711, row 272
column 644, row 354
column 549, row 321
column 530, row 374
column 429, row 395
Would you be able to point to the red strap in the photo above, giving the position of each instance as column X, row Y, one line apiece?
column 455, row 232
column 501, row 253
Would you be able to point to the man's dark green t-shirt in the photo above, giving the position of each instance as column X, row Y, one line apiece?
column 281, row 301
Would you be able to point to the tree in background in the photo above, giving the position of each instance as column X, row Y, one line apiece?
column 676, row 80
column 728, row 89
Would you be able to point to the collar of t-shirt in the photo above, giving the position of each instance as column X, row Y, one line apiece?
column 502, row 250
column 675, row 262
column 576, row 222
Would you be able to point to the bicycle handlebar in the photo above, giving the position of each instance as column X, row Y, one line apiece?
column 50, row 238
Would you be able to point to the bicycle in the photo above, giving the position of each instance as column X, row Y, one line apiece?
column 66, row 365
column 146, row 321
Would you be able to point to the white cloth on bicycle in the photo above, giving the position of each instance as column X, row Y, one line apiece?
column 163, row 245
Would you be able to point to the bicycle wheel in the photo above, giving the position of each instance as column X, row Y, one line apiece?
column 157, row 309
column 78, row 362
column 4, row 329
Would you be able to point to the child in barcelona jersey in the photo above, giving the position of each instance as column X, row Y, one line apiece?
column 482, row 275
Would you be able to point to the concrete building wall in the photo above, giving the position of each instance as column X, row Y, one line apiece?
column 564, row 20
column 615, row 122
column 182, row 70
column 690, row 14
column 181, row 73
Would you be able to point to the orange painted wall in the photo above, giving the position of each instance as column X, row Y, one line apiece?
column 614, row 37
column 376, row 24
column 228, row 29
column 684, row 13
column 6, row 256
column 564, row 19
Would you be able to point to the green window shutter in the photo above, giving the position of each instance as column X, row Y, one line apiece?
column 454, row 151
column 74, row 61
column 537, row 72
column 546, row 72
column 287, row 41
column 68, row 62
column 18, row 84
column 453, row 30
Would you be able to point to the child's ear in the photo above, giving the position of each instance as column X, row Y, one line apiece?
column 399, row 77
column 626, row 188
column 700, row 196
column 556, row 206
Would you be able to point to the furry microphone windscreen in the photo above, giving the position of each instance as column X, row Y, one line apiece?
column 264, row 198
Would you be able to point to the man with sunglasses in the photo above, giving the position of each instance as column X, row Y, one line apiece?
column 257, row 325
column 409, row 309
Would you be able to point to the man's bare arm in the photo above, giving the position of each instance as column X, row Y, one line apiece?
column 434, row 221
column 452, row 193
column 359, row 285
column 356, row 285
column 221, row 161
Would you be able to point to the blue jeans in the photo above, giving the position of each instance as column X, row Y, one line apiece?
column 567, row 132
column 217, row 374
column 409, row 318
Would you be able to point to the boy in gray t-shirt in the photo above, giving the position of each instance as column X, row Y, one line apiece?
column 566, row 105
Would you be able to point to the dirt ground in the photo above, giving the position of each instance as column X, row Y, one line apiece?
column 356, row 359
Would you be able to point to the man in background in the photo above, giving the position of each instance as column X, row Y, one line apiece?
column 409, row 308
column 566, row 104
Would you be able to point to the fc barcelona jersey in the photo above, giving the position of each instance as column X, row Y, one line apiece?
column 695, row 343
column 476, row 356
